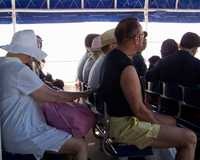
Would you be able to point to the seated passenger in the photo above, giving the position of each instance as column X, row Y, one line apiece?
column 138, row 59
column 153, row 60
column 47, row 78
column 131, row 122
column 108, row 42
column 95, row 52
column 24, row 129
column 169, row 47
column 88, row 43
column 182, row 67
column 64, row 116
column 140, row 65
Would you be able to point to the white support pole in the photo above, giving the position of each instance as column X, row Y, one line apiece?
column 115, row 4
column 82, row 4
column 146, row 14
column 48, row 4
column 177, row 2
column 14, row 16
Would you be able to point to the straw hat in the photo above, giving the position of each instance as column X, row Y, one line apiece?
column 25, row 42
column 108, row 37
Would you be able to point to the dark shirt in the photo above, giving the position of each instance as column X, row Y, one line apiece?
column 139, row 64
column 181, row 68
column 110, row 89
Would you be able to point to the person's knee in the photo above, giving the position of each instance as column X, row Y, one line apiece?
column 74, row 146
column 81, row 145
column 190, row 137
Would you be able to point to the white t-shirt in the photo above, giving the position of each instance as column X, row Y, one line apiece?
column 24, row 129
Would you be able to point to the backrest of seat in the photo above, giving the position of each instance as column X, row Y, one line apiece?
column 191, row 96
column 170, row 99
column 172, row 91
column 190, row 109
column 154, row 87
column 152, row 94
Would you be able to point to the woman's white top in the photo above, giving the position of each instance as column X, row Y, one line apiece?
column 24, row 129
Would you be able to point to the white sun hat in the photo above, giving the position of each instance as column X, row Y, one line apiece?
column 25, row 42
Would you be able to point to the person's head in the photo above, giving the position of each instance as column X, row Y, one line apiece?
column 24, row 46
column 153, row 60
column 108, row 41
column 39, row 41
column 95, row 50
column 59, row 83
column 168, row 47
column 190, row 42
column 129, row 34
column 88, row 40
column 145, row 41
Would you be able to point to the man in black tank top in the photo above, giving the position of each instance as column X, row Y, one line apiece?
column 132, row 122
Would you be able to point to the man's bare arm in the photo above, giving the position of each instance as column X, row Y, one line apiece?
column 132, row 90
column 46, row 94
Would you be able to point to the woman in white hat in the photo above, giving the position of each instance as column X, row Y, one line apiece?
column 24, row 129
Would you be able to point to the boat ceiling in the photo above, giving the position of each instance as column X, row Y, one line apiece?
column 66, row 11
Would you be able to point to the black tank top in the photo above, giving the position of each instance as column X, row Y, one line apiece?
column 110, row 89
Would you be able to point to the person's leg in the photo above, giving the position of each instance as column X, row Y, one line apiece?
column 75, row 146
column 183, row 139
column 164, row 119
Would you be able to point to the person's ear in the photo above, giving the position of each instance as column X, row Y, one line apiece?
column 194, row 50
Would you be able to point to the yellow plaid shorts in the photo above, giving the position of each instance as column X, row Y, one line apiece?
column 130, row 130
